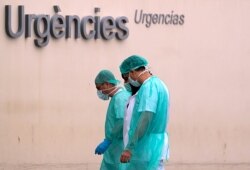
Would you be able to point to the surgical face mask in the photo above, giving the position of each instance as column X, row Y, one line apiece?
column 135, row 82
column 102, row 96
column 128, row 87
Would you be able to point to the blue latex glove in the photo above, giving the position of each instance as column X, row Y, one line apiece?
column 102, row 147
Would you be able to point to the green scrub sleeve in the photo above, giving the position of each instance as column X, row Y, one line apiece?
column 117, row 129
column 141, row 130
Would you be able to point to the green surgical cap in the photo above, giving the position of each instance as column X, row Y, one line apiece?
column 106, row 76
column 131, row 63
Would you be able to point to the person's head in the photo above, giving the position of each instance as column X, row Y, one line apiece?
column 129, row 87
column 106, row 84
column 136, row 67
column 125, row 76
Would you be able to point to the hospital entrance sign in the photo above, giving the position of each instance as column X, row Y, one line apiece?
column 58, row 26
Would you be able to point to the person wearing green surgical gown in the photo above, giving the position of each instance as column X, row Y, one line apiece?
column 112, row 145
column 147, row 146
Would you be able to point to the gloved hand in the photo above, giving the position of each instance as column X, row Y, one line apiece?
column 102, row 147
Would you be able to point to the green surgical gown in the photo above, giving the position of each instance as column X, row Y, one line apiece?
column 114, row 130
column 150, row 113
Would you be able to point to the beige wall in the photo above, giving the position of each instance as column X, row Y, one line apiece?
column 51, row 118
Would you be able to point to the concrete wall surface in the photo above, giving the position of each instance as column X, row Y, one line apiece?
column 51, row 117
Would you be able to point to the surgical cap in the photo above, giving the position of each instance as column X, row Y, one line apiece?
column 105, row 76
column 131, row 63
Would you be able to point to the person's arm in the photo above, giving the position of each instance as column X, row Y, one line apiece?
column 119, row 111
column 117, row 130
column 140, row 131
column 115, row 133
column 102, row 147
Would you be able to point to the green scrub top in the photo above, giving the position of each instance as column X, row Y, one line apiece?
column 114, row 130
column 153, row 98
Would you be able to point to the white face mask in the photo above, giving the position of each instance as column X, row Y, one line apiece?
column 135, row 82
column 103, row 96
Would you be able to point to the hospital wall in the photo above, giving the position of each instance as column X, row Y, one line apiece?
column 51, row 117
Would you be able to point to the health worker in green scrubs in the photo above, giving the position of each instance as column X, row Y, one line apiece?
column 112, row 145
column 147, row 146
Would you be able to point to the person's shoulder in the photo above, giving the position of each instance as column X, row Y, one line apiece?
column 154, row 83
column 151, row 81
column 121, row 98
column 157, row 80
column 123, row 93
